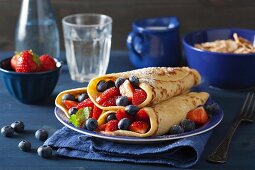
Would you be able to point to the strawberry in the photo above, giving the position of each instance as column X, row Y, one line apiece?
column 198, row 115
column 107, row 94
column 139, row 127
column 111, row 126
column 48, row 63
column 139, row 97
column 102, row 127
column 96, row 112
column 110, row 102
column 120, row 114
column 142, row 115
column 27, row 62
column 85, row 103
column 126, row 89
column 14, row 61
column 70, row 103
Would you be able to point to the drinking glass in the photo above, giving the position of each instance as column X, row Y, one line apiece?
column 87, row 43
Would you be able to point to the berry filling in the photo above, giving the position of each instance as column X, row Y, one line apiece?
column 138, row 121
column 121, row 93
column 81, row 108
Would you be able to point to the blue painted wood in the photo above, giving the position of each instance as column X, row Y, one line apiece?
column 242, row 149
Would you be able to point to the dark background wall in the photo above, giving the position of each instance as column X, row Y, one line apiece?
column 193, row 15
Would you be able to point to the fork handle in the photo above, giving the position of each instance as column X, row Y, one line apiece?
column 221, row 152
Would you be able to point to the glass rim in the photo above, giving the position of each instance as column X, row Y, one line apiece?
column 85, row 14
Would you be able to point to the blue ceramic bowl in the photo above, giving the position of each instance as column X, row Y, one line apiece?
column 229, row 71
column 29, row 87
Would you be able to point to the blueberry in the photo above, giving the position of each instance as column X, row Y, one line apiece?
column 119, row 81
column 91, row 124
column 110, row 84
column 25, row 146
column 131, row 110
column 82, row 97
column 212, row 108
column 122, row 101
column 68, row 97
column 72, row 111
column 176, row 129
column 134, row 81
column 101, row 86
column 188, row 125
column 44, row 151
column 41, row 134
column 7, row 131
column 110, row 117
column 18, row 126
column 124, row 123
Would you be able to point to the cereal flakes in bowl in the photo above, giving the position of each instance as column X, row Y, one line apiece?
column 224, row 57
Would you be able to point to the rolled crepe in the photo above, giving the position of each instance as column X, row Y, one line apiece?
column 74, row 92
column 159, row 83
column 164, row 115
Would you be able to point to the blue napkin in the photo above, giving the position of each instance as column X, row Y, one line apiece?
column 182, row 153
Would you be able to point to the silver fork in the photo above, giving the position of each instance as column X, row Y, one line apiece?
column 245, row 115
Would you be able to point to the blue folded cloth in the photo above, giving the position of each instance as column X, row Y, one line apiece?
column 181, row 153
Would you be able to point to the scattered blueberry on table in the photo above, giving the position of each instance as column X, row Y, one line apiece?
column 41, row 134
column 18, row 126
column 44, row 151
column 7, row 131
column 25, row 146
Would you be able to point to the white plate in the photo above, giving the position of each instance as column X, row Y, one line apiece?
column 213, row 122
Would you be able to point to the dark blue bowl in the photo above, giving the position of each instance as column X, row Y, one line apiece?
column 29, row 87
column 229, row 71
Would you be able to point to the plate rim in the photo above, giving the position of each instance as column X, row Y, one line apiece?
column 128, row 139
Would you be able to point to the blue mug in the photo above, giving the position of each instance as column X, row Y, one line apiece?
column 155, row 42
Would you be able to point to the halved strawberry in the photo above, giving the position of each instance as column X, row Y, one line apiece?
column 198, row 115
column 139, row 97
column 107, row 94
column 110, row 102
column 14, row 61
column 85, row 103
column 111, row 126
column 70, row 103
column 102, row 127
column 120, row 114
column 142, row 115
column 126, row 89
column 96, row 112
column 139, row 127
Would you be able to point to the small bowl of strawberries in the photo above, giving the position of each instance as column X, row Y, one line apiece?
column 28, row 77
